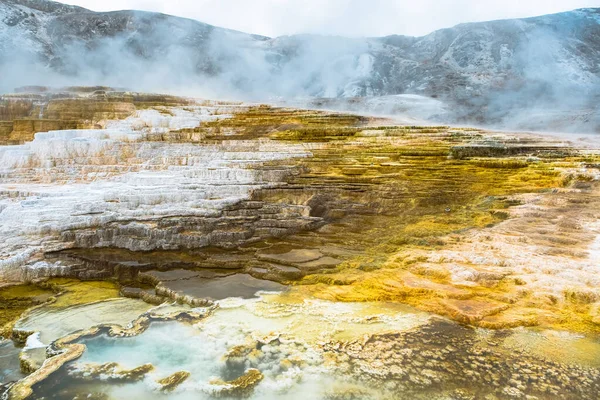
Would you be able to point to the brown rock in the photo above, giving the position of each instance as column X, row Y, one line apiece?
column 470, row 311
column 171, row 383
column 242, row 386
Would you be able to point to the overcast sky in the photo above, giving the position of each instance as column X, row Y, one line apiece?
column 341, row 17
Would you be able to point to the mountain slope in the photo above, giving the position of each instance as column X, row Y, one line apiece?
column 485, row 71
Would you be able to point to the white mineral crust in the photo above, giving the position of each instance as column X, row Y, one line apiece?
column 81, row 179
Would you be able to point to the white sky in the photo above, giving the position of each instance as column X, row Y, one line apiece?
column 341, row 17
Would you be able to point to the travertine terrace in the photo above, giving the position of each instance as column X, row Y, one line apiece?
column 415, row 252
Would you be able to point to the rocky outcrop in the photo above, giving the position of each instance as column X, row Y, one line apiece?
column 24, row 130
column 240, row 387
column 171, row 382
column 111, row 372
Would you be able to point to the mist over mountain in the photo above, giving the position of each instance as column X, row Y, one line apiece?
column 535, row 73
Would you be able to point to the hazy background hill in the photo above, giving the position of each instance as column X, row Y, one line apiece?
column 535, row 73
